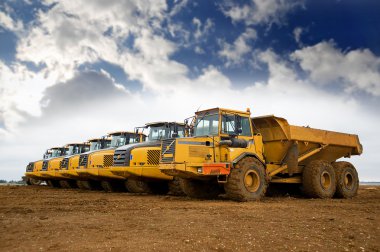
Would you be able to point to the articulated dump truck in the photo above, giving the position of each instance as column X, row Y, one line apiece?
column 49, row 171
column 233, row 153
column 32, row 174
column 70, row 164
column 94, row 167
column 138, row 163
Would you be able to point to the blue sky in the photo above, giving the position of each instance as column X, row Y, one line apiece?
column 72, row 70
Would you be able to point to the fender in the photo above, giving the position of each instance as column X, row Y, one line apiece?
column 247, row 154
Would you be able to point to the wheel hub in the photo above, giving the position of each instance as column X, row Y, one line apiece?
column 251, row 181
column 325, row 180
column 348, row 180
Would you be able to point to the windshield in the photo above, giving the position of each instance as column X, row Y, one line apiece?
column 53, row 153
column 119, row 140
column 206, row 125
column 164, row 132
column 95, row 146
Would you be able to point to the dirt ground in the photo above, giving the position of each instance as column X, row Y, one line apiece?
column 39, row 218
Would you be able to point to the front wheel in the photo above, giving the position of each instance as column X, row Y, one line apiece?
column 200, row 189
column 137, row 186
column 113, row 186
column 247, row 181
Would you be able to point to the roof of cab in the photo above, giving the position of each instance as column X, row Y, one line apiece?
column 124, row 132
column 162, row 123
column 247, row 112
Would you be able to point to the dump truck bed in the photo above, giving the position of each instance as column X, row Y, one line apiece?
column 280, row 139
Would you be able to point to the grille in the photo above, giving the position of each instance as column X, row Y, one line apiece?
column 64, row 164
column 30, row 167
column 153, row 157
column 167, row 147
column 45, row 165
column 107, row 160
column 83, row 160
column 119, row 158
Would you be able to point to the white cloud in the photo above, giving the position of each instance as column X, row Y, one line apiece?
column 357, row 70
column 10, row 24
column 234, row 53
column 261, row 11
column 202, row 31
column 297, row 35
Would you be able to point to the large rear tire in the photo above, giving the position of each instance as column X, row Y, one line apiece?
column 175, row 187
column 200, row 189
column 137, row 186
column 318, row 179
column 247, row 181
column 113, row 186
column 347, row 180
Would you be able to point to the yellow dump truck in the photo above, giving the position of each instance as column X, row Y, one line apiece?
column 139, row 162
column 94, row 172
column 52, row 165
column 233, row 153
column 70, row 164
column 32, row 174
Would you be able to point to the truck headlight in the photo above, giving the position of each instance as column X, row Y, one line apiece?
column 200, row 170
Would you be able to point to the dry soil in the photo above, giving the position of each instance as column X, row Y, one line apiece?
column 39, row 218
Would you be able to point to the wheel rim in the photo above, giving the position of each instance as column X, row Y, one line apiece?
column 252, row 181
column 348, row 180
column 325, row 180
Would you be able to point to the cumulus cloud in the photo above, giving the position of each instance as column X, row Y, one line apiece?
column 234, row 53
column 357, row 70
column 261, row 11
column 7, row 22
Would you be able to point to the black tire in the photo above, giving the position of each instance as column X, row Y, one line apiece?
column 175, row 187
column 35, row 181
column 318, row 179
column 90, row 185
column 81, row 185
column 28, row 181
column 113, row 186
column 347, row 180
column 53, row 183
column 64, row 184
column 247, row 181
column 200, row 189
column 137, row 186
column 159, row 188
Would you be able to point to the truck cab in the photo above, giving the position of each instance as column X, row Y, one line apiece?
column 32, row 174
column 51, row 165
column 70, row 164
column 139, row 162
column 94, row 171
column 220, row 138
